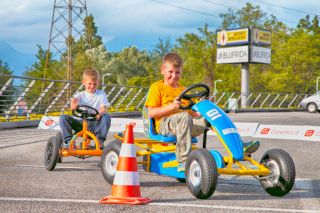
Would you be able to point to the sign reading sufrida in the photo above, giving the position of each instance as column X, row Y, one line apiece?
column 233, row 37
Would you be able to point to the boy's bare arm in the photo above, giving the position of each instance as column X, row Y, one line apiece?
column 103, row 110
column 74, row 103
column 159, row 112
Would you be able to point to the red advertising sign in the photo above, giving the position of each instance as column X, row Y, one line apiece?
column 265, row 131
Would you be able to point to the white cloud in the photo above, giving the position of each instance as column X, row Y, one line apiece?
column 25, row 23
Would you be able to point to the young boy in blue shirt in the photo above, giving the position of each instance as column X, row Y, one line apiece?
column 91, row 97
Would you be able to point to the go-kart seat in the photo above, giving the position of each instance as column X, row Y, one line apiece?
column 150, row 130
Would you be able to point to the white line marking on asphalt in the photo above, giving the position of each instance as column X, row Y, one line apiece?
column 166, row 204
column 38, row 166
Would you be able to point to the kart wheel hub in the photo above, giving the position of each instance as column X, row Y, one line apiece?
column 195, row 173
column 273, row 177
column 111, row 162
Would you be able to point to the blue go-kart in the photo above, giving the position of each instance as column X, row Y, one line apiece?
column 275, row 171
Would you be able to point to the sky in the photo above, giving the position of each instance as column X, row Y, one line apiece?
column 123, row 23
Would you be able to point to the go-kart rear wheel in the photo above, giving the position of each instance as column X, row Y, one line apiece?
column 51, row 154
column 283, row 173
column 201, row 173
column 60, row 142
column 109, row 160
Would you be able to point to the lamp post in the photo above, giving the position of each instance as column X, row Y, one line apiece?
column 317, row 84
column 215, row 88
column 106, row 74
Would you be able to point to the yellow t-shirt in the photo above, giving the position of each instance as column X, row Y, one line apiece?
column 161, row 94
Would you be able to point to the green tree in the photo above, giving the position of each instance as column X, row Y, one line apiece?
column 4, row 69
column 249, row 15
column 5, row 97
column 128, row 63
column 101, row 59
column 199, row 54
column 39, row 69
column 308, row 25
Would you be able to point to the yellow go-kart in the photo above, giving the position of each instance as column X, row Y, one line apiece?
column 275, row 171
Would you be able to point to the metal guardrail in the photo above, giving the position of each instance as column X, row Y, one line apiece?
column 24, row 98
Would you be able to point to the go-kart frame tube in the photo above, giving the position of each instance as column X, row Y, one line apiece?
column 85, row 134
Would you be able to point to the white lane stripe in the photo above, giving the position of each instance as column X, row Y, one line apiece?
column 127, row 150
column 237, row 208
column 46, row 200
column 126, row 178
column 38, row 166
column 166, row 204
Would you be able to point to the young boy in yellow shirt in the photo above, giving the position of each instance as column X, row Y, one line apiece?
column 164, row 107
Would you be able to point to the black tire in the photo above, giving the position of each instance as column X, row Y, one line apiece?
column 109, row 160
column 60, row 142
column 201, row 173
column 51, row 154
column 144, row 166
column 283, row 172
column 181, row 180
column 312, row 107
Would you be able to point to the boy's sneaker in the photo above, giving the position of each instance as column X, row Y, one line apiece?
column 182, row 167
column 101, row 144
column 251, row 147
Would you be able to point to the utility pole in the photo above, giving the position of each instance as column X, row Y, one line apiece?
column 66, row 27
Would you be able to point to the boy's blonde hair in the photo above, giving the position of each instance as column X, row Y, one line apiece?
column 90, row 73
column 174, row 59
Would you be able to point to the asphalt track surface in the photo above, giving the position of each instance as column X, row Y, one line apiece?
column 77, row 185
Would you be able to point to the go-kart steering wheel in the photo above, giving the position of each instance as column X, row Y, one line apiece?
column 85, row 112
column 189, row 97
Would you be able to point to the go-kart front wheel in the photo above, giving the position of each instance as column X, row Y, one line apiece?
column 109, row 160
column 283, row 173
column 201, row 173
column 51, row 154
column 59, row 139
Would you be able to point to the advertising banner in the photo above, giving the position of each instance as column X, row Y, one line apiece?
column 306, row 133
column 260, row 55
column 233, row 37
column 260, row 36
column 238, row 54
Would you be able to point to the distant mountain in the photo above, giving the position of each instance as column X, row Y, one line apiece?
column 17, row 61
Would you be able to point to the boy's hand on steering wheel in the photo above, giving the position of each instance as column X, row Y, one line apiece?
column 98, row 116
column 176, row 103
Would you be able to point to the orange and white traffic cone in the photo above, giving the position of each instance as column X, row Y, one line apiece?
column 126, row 186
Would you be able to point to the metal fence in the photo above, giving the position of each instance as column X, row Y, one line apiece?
column 23, row 98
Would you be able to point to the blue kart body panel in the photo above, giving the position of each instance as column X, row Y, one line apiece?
column 221, row 124
column 223, row 127
column 157, row 160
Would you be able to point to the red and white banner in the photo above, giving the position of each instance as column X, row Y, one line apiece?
column 49, row 122
column 117, row 124
column 306, row 133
